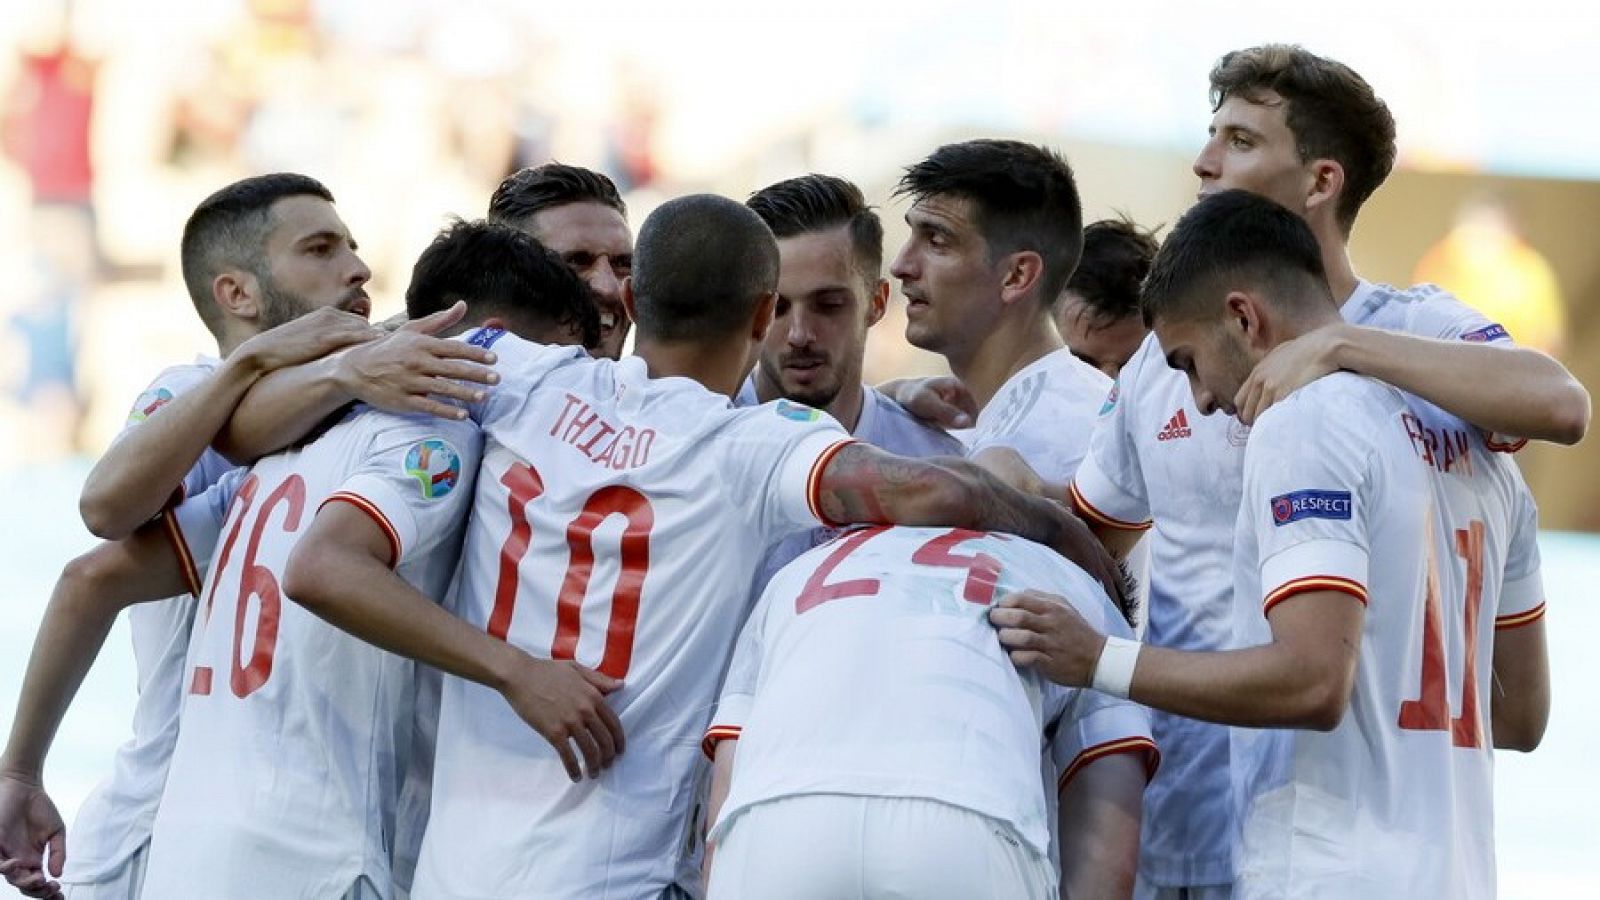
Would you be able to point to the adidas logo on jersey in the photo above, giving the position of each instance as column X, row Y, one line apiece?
column 1177, row 427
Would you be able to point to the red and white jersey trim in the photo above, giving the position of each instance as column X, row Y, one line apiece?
column 1144, row 745
column 715, row 735
column 1314, row 583
column 814, row 482
column 366, row 506
column 1087, row 509
column 1517, row 620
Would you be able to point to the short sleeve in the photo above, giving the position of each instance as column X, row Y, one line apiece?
column 194, row 526
column 415, row 479
column 1305, row 483
column 1109, row 488
column 1522, row 591
column 739, row 687
column 520, row 364
column 774, row 456
column 172, row 383
column 1097, row 725
column 1439, row 314
column 169, row 385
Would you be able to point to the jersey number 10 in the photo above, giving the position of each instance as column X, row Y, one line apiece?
column 525, row 485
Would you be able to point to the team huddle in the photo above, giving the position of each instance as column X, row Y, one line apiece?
column 475, row 606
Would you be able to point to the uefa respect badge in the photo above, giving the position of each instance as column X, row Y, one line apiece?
column 1298, row 505
column 435, row 465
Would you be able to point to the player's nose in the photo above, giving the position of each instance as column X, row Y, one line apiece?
column 903, row 266
column 359, row 273
column 799, row 330
column 1205, row 162
column 603, row 281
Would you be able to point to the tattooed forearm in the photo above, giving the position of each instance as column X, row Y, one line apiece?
column 863, row 484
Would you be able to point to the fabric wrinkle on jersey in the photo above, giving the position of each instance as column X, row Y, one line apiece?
column 1132, row 479
column 115, row 819
column 1345, row 490
column 316, row 724
column 1046, row 412
column 884, row 424
column 822, row 703
column 702, row 489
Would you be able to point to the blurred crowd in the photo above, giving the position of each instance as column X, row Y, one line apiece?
column 118, row 118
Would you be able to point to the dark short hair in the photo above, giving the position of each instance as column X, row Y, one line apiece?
column 1332, row 112
column 1023, row 197
column 229, row 229
column 701, row 265
column 500, row 271
column 527, row 192
column 1232, row 240
column 1116, row 257
column 819, row 202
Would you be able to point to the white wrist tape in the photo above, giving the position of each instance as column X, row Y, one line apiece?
column 1113, row 673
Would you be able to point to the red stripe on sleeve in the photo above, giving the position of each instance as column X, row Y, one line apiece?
column 1087, row 509
column 1152, row 757
column 1517, row 620
column 1314, row 583
column 814, row 482
column 715, row 735
column 376, row 514
column 191, row 573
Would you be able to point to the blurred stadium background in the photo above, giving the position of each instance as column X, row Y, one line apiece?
column 116, row 118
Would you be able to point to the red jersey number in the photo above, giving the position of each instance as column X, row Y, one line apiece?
column 1431, row 711
column 525, row 485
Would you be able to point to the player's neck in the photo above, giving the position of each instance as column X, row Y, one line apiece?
column 720, row 367
column 230, row 340
column 1342, row 278
column 1014, row 345
column 846, row 405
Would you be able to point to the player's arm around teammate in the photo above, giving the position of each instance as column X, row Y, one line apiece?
column 92, row 590
column 138, row 474
column 1531, row 394
column 409, row 371
column 863, row 485
column 340, row 571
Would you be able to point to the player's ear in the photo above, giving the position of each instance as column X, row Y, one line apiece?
column 1024, row 270
column 237, row 292
column 1327, row 183
column 878, row 302
column 1245, row 317
column 627, row 300
column 765, row 307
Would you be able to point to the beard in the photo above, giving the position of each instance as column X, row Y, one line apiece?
column 279, row 306
column 817, row 395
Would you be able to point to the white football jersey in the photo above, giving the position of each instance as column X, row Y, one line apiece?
column 287, row 770
column 1350, row 486
column 884, row 424
column 1154, row 457
column 114, row 821
column 1045, row 412
column 870, row 668
column 619, row 522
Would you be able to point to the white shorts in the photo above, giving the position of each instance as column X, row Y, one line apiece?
column 1144, row 890
column 125, row 882
column 833, row 845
